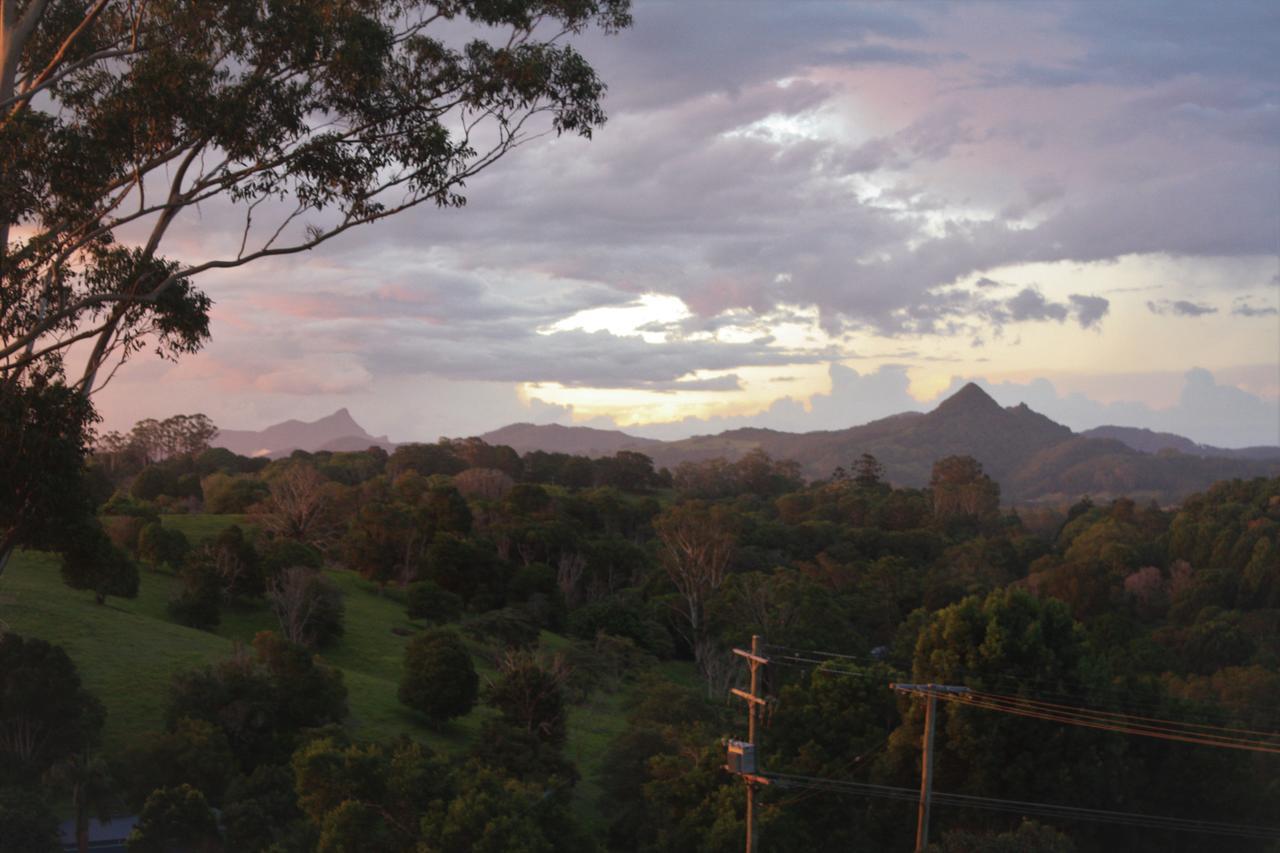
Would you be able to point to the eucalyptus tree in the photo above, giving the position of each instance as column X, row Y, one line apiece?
column 301, row 119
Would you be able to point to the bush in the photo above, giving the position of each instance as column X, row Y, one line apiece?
column 529, row 694
column 91, row 561
column 279, row 554
column 124, row 530
column 439, row 679
column 622, row 615
column 174, row 819
column 510, row 626
column 194, row 752
column 152, row 482
column 41, row 697
column 261, row 703
column 195, row 602
column 225, row 494
column 428, row 601
column 123, row 504
column 158, row 546
column 308, row 605
column 27, row 824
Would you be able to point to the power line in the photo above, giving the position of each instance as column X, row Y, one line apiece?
column 1028, row 808
column 813, row 657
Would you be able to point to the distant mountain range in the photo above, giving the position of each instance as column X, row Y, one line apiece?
column 1032, row 457
column 337, row 432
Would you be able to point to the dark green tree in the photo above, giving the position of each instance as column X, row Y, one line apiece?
column 439, row 678
column 27, row 824
column 176, row 818
column 529, row 693
column 90, row 560
column 46, row 715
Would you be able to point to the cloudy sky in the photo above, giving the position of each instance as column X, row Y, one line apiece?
column 806, row 215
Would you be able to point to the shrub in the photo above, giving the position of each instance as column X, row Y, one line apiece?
column 439, row 680
column 279, row 554
column 510, row 626
column 428, row 601
column 91, row 561
column 529, row 694
column 308, row 605
column 159, row 546
column 123, row 504
column 622, row 615
column 124, row 530
column 27, row 824
column 195, row 602
column 174, row 819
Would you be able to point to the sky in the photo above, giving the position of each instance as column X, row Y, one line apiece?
column 808, row 215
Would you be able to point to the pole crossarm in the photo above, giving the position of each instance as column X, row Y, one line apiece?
column 926, row 689
column 754, row 658
column 742, row 694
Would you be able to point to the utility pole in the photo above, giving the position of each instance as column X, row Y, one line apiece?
column 747, row 766
column 926, row 776
column 930, row 692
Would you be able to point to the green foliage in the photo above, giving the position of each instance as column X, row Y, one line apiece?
column 492, row 813
column 261, row 703
column 279, row 554
column 439, row 679
column 623, row 615
column 231, row 493
column 175, row 818
column 367, row 796
column 261, row 810
column 962, row 493
column 44, row 709
column 27, row 824
column 428, row 601
column 195, row 600
column 309, row 607
column 530, row 694
column 193, row 752
column 161, row 547
column 44, row 429
column 511, row 627
column 1029, row 837
column 466, row 569
column 91, row 561
column 124, row 505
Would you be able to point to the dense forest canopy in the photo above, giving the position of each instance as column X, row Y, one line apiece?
column 558, row 578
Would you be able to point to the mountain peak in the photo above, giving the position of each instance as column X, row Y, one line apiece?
column 970, row 398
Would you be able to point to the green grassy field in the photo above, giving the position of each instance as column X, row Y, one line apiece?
column 128, row 650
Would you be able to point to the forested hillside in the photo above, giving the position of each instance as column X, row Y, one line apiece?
column 455, row 647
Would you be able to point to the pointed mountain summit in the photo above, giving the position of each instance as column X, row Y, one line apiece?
column 338, row 431
column 969, row 400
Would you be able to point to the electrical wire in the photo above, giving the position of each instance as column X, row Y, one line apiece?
column 1102, row 713
column 1027, row 807
column 993, row 703
column 1128, row 702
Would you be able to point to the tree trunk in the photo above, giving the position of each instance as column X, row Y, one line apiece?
column 7, row 546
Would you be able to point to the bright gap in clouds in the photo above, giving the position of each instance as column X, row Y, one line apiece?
column 626, row 320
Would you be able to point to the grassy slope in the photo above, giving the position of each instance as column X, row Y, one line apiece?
column 127, row 651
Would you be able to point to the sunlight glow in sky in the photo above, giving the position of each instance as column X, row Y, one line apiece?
column 824, row 213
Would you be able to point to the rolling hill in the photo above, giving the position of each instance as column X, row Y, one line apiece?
column 1032, row 457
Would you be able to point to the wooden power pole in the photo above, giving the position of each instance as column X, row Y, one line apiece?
column 926, row 776
column 754, row 702
column 930, row 692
